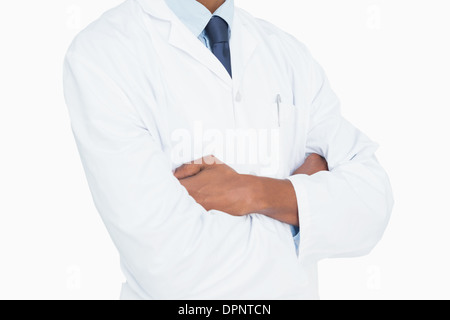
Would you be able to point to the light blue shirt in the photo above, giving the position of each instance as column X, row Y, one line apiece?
column 195, row 17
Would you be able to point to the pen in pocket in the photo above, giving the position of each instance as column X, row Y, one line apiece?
column 278, row 109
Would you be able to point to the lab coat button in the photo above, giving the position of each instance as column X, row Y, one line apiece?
column 238, row 97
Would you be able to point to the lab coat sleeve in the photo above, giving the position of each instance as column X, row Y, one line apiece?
column 156, row 226
column 343, row 212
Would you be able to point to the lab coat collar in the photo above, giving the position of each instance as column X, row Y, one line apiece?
column 157, row 8
column 196, row 16
column 242, row 42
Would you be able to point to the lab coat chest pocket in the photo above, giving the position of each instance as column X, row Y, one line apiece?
column 291, row 124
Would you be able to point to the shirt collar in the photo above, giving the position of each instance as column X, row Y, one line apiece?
column 195, row 16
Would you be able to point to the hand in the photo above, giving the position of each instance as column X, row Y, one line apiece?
column 313, row 164
column 216, row 186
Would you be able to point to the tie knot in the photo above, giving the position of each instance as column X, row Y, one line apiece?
column 217, row 30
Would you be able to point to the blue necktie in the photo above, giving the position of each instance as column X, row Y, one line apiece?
column 218, row 35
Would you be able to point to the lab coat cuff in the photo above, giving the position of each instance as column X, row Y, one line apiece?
column 304, row 214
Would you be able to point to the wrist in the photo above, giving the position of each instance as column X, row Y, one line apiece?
column 262, row 193
column 274, row 198
column 253, row 193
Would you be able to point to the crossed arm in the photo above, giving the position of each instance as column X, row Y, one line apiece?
column 216, row 186
column 159, row 230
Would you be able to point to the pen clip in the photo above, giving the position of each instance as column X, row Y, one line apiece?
column 278, row 109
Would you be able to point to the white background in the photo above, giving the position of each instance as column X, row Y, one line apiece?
column 387, row 60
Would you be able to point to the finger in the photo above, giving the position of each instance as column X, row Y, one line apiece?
column 186, row 183
column 187, row 170
column 211, row 160
column 191, row 169
column 319, row 162
column 313, row 164
column 313, row 156
column 191, row 185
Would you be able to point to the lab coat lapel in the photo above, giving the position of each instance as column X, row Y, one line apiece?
column 243, row 45
column 182, row 38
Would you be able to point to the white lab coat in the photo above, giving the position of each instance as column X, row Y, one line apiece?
column 137, row 76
